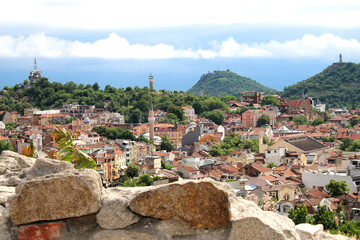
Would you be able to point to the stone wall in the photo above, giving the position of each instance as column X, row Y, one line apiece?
column 48, row 199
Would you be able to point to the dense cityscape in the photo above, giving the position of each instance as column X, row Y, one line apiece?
column 285, row 155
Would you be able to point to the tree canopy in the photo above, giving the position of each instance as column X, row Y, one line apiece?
column 231, row 143
column 301, row 120
column 270, row 100
column 166, row 144
column 337, row 188
column 132, row 171
column 5, row 145
column 263, row 120
column 217, row 117
column 330, row 86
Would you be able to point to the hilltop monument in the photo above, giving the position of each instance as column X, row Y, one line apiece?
column 340, row 58
column 35, row 74
column 151, row 82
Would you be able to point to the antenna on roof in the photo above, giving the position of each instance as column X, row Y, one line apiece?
column 35, row 67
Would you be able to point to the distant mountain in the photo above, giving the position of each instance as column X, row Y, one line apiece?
column 337, row 86
column 220, row 83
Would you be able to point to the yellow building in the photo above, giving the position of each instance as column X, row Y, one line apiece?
column 287, row 192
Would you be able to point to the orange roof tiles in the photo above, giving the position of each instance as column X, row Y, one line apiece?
column 317, row 193
column 260, row 168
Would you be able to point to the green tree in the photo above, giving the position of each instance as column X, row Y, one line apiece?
column 145, row 180
column 346, row 143
column 166, row 144
column 301, row 120
column 325, row 216
column 96, row 86
column 130, row 182
column 271, row 165
column 135, row 116
column 337, row 188
column 270, row 100
column 11, row 126
column 299, row 215
column 217, row 117
column 263, row 120
column 354, row 121
column 177, row 111
column 5, row 145
column 132, row 171
column 318, row 121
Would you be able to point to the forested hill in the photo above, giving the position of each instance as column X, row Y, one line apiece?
column 337, row 86
column 132, row 103
column 221, row 83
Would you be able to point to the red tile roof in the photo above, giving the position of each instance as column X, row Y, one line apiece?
column 317, row 193
column 190, row 169
column 296, row 103
column 261, row 168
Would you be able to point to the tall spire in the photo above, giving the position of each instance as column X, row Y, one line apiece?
column 35, row 67
column 151, row 121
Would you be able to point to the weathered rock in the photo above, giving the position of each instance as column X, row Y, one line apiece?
column 308, row 231
column 199, row 203
column 46, row 166
column 5, row 233
column 327, row 236
column 6, row 193
column 250, row 222
column 121, row 235
column 57, row 196
column 13, row 162
column 173, row 229
column 115, row 212
column 10, row 180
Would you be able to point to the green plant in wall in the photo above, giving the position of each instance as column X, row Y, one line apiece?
column 68, row 152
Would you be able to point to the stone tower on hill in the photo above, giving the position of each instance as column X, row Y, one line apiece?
column 151, row 82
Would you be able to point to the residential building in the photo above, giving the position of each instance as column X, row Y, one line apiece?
column 188, row 172
column 251, row 97
column 189, row 113
column 300, row 107
column 251, row 117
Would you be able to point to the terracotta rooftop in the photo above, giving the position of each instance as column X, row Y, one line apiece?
column 317, row 193
column 261, row 168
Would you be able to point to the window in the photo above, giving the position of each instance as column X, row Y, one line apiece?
column 269, row 152
column 286, row 197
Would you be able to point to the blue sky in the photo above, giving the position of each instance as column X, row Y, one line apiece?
column 276, row 43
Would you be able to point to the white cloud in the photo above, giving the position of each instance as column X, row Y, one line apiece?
column 114, row 14
column 117, row 47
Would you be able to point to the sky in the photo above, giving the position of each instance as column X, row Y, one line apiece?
column 116, row 42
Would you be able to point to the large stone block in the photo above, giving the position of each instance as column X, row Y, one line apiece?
column 12, row 162
column 200, row 203
column 308, row 231
column 115, row 212
column 57, row 196
column 5, row 232
column 250, row 222
column 46, row 166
